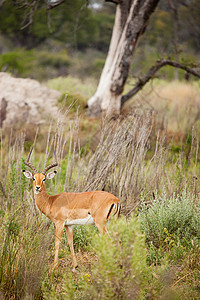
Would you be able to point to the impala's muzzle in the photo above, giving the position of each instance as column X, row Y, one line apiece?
column 37, row 189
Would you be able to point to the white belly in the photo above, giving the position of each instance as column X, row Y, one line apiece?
column 86, row 221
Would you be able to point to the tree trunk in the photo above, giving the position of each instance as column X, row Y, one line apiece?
column 131, row 19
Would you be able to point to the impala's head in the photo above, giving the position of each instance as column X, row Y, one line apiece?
column 39, row 178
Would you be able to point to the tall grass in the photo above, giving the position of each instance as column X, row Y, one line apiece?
column 24, row 249
column 132, row 161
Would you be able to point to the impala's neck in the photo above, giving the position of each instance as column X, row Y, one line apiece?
column 42, row 201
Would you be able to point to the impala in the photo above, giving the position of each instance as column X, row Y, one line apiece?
column 68, row 209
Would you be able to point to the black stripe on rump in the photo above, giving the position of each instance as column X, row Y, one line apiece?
column 110, row 211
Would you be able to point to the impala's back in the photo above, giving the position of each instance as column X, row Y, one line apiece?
column 84, row 208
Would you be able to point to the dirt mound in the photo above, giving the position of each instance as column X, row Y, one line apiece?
column 25, row 101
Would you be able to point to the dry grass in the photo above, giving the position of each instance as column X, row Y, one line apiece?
column 176, row 104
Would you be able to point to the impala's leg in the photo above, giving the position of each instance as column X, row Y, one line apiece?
column 102, row 227
column 69, row 231
column 102, row 221
column 59, row 231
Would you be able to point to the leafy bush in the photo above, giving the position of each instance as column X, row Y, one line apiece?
column 51, row 59
column 73, row 86
column 172, row 222
column 76, row 101
column 119, row 270
column 81, row 237
column 35, row 63
column 17, row 62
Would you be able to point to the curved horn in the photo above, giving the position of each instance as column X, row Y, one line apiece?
column 52, row 165
column 27, row 163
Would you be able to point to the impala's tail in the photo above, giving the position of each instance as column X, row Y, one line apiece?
column 114, row 210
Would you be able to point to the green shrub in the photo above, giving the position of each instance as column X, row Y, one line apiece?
column 82, row 238
column 73, row 86
column 119, row 269
column 34, row 63
column 170, row 223
column 17, row 62
column 76, row 101
column 55, row 60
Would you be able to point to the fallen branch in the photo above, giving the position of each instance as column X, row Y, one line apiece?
column 151, row 73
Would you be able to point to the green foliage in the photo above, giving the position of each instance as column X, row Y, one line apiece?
column 81, row 238
column 160, row 26
column 17, row 62
column 35, row 64
column 50, row 59
column 189, row 16
column 121, row 271
column 13, row 17
column 71, row 85
column 76, row 101
column 96, row 31
column 73, row 23
column 96, row 67
column 170, row 224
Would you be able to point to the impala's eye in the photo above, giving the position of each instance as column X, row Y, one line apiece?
column 33, row 179
column 43, row 179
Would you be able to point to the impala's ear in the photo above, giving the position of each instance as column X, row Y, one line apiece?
column 51, row 175
column 28, row 174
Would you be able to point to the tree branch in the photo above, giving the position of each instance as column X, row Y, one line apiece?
column 30, row 7
column 151, row 73
column 113, row 1
column 51, row 4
